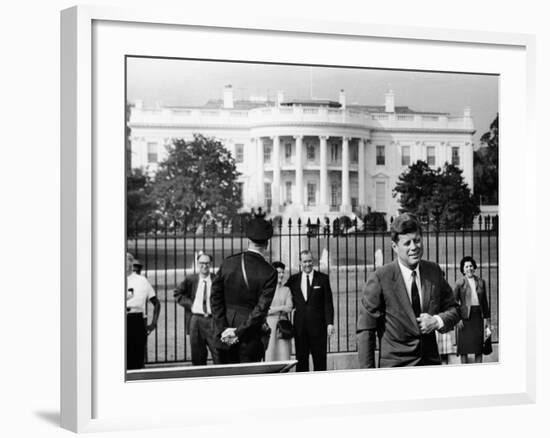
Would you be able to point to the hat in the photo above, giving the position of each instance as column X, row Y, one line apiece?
column 259, row 230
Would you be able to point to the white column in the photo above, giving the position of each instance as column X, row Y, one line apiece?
column 299, row 173
column 276, row 184
column 323, row 176
column 346, row 199
column 260, row 162
column 467, row 163
column 361, row 169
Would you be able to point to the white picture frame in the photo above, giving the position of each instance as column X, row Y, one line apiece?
column 94, row 395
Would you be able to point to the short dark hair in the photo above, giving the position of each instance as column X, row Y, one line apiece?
column 278, row 265
column 467, row 259
column 404, row 224
column 201, row 253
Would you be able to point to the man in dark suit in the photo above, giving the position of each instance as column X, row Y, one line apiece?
column 242, row 292
column 194, row 295
column 404, row 302
column 314, row 315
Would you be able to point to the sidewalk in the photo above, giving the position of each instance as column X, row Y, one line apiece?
column 349, row 361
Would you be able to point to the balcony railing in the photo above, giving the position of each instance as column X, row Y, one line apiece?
column 268, row 115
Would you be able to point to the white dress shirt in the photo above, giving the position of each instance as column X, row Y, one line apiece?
column 304, row 283
column 407, row 276
column 197, row 303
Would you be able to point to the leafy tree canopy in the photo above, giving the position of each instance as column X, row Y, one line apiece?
column 486, row 167
column 140, row 204
column 440, row 196
column 197, row 180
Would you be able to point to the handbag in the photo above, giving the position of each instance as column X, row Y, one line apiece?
column 487, row 346
column 285, row 329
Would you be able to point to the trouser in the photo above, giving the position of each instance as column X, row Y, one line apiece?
column 136, row 340
column 201, row 335
column 307, row 344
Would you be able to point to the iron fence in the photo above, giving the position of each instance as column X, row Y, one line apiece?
column 168, row 252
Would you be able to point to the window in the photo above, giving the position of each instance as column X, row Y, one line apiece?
column 455, row 157
column 240, row 187
column 335, row 195
column 267, row 189
column 380, row 196
column 431, row 155
column 239, row 153
column 334, row 152
column 310, row 152
column 267, row 153
column 288, row 192
column 311, row 193
column 405, row 156
column 354, row 153
column 152, row 153
column 288, row 151
column 380, row 156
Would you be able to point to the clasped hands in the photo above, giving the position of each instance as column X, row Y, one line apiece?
column 427, row 323
column 229, row 337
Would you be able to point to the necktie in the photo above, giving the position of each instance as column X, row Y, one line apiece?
column 204, row 308
column 415, row 296
column 308, row 289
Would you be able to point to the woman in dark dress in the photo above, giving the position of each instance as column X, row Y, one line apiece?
column 471, row 294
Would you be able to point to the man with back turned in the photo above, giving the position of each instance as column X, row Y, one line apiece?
column 403, row 303
column 242, row 292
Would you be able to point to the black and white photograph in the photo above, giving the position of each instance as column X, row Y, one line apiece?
column 286, row 218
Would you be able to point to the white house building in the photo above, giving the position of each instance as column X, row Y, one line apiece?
column 311, row 158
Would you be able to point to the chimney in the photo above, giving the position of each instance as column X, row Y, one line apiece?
column 228, row 96
column 342, row 99
column 390, row 102
column 280, row 97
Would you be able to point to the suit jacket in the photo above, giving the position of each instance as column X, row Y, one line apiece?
column 185, row 295
column 385, row 307
column 314, row 315
column 236, row 305
column 463, row 294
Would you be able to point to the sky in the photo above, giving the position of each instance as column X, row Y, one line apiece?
column 180, row 82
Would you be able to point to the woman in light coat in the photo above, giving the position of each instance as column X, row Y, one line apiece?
column 471, row 294
column 281, row 306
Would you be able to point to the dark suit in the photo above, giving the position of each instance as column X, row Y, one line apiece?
column 385, row 310
column 463, row 294
column 311, row 319
column 245, row 308
column 199, row 327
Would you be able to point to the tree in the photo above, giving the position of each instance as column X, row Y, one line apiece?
column 486, row 167
column 197, row 180
column 440, row 196
column 139, row 203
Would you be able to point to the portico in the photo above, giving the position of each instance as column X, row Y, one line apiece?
column 305, row 161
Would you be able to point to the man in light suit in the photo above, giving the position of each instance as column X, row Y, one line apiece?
column 314, row 316
column 242, row 292
column 194, row 295
column 403, row 303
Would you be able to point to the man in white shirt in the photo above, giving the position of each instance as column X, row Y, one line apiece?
column 403, row 303
column 194, row 295
column 138, row 291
